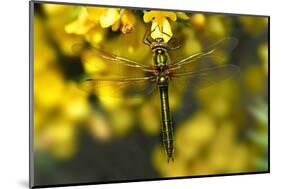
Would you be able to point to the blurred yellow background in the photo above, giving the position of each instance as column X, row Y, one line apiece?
column 88, row 137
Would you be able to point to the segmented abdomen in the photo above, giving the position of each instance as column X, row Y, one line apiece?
column 167, row 127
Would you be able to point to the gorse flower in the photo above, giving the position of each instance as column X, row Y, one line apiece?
column 105, row 16
column 81, row 25
column 92, row 21
column 160, row 27
column 112, row 17
column 91, row 17
column 126, row 22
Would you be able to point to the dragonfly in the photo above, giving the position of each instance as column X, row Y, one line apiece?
column 195, row 71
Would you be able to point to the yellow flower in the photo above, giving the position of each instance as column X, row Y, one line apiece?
column 92, row 21
column 99, row 126
column 74, row 104
column 59, row 137
column 126, row 22
column 198, row 21
column 149, row 119
column 105, row 16
column 95, row 36
column 182, row 16
column 48, row 88
column 263, row 55
column 86, row 26
column 160, row 27
column 116, row 18
column 58, row 10
column 81, row 25
column 195, row 132
column 44, row 54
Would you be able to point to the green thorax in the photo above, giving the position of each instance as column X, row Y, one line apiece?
column 160, row 59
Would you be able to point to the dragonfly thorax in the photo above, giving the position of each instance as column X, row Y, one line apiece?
column 160, row 58
column 163, row 80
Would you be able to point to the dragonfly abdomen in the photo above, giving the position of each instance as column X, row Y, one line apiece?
column 167, row 127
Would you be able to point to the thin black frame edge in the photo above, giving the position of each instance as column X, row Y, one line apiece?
column 268, row 98
column 31, row 61
column 31, row 49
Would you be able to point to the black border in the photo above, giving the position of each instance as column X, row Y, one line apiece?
column 31, row 61
column 31, row 79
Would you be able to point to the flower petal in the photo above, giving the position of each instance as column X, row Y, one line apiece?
column 81, row 25
column 164, row 32
column 95, row 35
column 182, row 16
column 115, row 26
column 155, row 30
column 109, row 18
column 148, row 16
column 128, row 22
column 95, row 13
column 170, row 15
column 167, row 31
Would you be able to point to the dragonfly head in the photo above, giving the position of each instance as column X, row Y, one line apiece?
column 159, row 39
column 159, row 45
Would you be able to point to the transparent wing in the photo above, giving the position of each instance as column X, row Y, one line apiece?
column 177, row 41
column 204, row 77
column 204, row 68
column 117, row 60
column 216, row 51
column 120, row 87
column 109, row 75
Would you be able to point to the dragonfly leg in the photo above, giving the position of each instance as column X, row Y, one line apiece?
column 172, row 46
column 147, row 39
